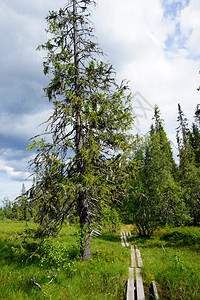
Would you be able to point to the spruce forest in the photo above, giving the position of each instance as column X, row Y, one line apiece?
column 93, row 176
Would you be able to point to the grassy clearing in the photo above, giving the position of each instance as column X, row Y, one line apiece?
column 176, row 272
column 104, row 277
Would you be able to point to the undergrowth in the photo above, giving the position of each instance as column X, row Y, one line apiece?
column 55, row 271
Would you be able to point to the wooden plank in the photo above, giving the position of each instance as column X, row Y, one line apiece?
column 139, row 258
column 125, row 239
column 130, row 285
column 133, row 260
column 155, row 292
column 164, row 250
column 127, row 244
column 122, row 241
column 139, row 285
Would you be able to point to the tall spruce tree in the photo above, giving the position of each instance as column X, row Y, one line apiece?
column 197, row 115
column 189, row 173
column 155, row 197
column 81, row 164
column 195, row 136
column 186, row 154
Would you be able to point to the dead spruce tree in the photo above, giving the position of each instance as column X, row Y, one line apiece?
column 80, row 164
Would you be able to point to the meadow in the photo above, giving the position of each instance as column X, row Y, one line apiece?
column 170, row 257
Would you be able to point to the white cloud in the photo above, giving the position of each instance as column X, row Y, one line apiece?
column 26, row 126
column 190, row 26
column 11, row 188
column 128, row 21
column 11, row 173
column 162, row 77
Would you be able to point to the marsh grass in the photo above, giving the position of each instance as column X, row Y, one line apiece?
column 103, row 277
column 175, row 270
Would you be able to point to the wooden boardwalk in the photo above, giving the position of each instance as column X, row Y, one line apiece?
column 135, row 288
column 124, row 239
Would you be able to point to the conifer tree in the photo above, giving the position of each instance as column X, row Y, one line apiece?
column 197, row 115
column 195, row 136
column 21, row 208
column 81, row 164
column 189, row 175
column 186, row 155
column 155, row 198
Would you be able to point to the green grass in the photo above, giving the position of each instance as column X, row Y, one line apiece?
column 176, row 272
column 104, row 277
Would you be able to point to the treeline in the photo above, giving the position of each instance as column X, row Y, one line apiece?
column 20, row 209
column 23, row 209
column 163, row 192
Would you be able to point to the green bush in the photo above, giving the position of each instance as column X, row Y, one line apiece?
column 56, row 257
column 182, row 236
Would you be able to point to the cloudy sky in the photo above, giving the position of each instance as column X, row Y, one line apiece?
column 153, row 44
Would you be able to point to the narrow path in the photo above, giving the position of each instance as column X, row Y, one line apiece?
column 135, row 288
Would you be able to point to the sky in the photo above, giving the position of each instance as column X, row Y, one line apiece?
column 153, row 44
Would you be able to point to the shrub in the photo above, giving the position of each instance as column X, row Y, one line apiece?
column 182, row 236
column 56, row 257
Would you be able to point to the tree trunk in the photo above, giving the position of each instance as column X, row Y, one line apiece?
column 83, row 210
column 85, row 249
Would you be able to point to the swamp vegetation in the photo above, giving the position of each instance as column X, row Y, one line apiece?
column 57, row 269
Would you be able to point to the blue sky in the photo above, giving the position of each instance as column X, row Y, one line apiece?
column 173, row 8
column 154, row 44
column 177, row 39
